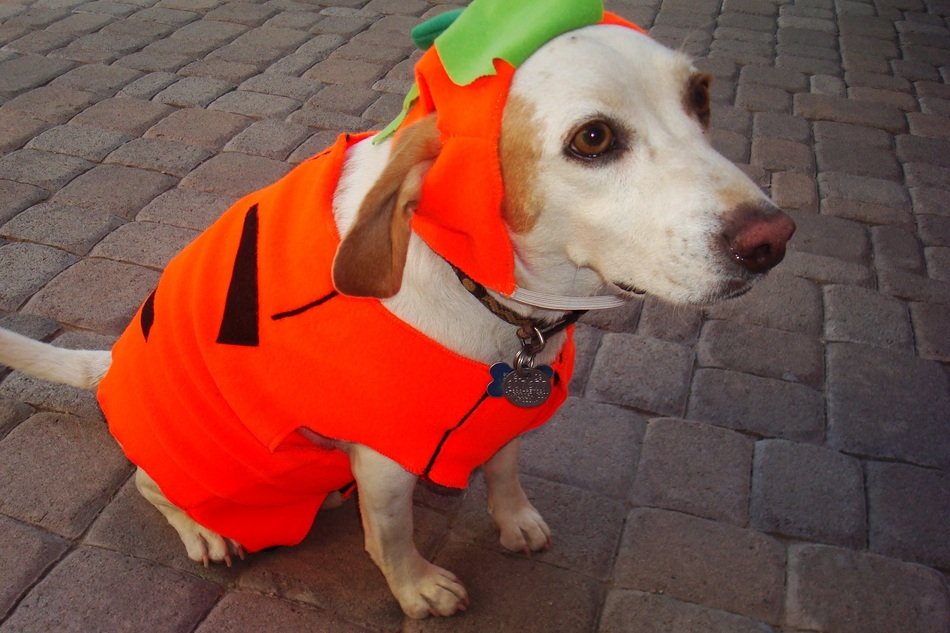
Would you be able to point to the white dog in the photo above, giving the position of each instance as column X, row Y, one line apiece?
column 611, row 187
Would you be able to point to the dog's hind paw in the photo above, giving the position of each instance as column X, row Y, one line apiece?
column 201, row 544
column 204, row 546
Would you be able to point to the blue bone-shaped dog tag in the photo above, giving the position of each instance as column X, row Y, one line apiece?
column 501, row 385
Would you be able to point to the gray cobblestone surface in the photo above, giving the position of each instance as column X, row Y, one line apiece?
column 775, row 464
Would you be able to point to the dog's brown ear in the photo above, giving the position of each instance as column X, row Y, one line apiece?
column 372, row 255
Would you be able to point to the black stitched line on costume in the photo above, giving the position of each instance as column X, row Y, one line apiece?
column 239, row 324
column 304, row 308
column 445, row 437
column 148, row 315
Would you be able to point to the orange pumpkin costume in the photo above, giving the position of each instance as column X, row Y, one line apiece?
column 245, row 341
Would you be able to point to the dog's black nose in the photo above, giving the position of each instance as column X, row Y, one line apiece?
column 756, row 236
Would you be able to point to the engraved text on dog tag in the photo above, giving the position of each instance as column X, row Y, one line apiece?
column 527, row 387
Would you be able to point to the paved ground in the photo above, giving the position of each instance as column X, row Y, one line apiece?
column 779, row 463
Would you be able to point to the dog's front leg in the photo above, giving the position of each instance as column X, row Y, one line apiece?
column 521, row 525
column 385, row 494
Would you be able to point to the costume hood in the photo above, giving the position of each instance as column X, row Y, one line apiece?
column 464, row 78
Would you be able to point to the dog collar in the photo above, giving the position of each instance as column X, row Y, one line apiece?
column 562, row 302
column 528, row 329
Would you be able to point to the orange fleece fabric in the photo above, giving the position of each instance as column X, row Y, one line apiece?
column 245, row 341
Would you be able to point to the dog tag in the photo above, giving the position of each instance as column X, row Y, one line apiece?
column 527, row 387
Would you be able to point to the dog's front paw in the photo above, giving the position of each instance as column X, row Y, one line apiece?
column 521, row 525
column 431, row 590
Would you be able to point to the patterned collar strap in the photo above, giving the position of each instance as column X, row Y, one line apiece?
column 563, row 302
column 526, row 326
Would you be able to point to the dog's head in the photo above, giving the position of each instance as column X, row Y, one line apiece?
column 608, row 168
column 609, row 181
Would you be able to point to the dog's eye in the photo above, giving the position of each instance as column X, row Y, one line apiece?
column 592, row 140
column 697, row 97
column 700, row 97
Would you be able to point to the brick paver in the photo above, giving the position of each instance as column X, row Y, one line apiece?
column 91, row 143
column 642, row 612
column 249, row 611
column 71, row 449
column 103, row 591
column 71, row 229
column 715, row 564
column 51, row 103
column 17, row 196
column 906, row 420
column 899, row 497
column 43, row 169
column 808, row 492
column 114, row 189
column 589, row 445
column 695, row 468
column 844, row 590
column 778, row 463
column 661, row 387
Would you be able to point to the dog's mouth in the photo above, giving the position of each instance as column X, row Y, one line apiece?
column 732, row 289
column 628, row 289
column 736, row 292
column 725, row 290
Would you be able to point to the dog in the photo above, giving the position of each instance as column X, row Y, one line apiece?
column 596, row 180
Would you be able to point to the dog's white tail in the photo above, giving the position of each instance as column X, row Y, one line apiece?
column 79, row 368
